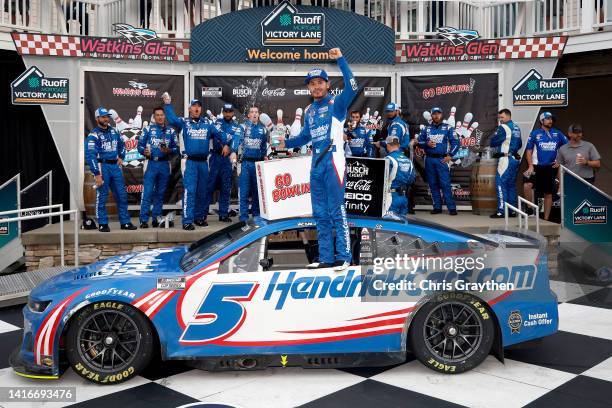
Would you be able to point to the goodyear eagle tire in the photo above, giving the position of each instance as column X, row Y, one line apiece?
column 109, row 342
column 452, row 333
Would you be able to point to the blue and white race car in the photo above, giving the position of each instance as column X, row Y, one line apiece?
column 243, row 298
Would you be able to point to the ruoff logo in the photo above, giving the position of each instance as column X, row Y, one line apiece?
column 285, row 26
column 587, row 213
column 242, row 91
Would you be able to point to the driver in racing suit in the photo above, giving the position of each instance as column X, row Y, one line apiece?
column 323, row 125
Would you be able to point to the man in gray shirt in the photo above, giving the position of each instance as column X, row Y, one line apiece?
column 579, row 156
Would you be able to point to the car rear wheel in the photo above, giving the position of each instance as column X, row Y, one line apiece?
column 452, row 333
column 109, row 342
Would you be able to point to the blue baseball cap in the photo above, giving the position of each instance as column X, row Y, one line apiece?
column 545, row 115
column 194, row 101
column 316, row 73
column 393, row 139
column 101, row 112
column 391, row 107
column 228, row 107
column 436, row 109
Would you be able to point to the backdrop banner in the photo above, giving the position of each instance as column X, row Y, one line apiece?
column 288, row 93
column 131, row 99
column 475, row 98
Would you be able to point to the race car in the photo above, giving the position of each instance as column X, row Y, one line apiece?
column 243, row 298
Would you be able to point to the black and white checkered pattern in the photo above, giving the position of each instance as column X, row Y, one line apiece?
column 572, row 368
column 457, row 37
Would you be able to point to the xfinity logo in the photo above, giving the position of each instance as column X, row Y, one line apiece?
column 242, row 91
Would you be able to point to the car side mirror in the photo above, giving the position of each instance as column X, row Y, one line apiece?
column 266, row 263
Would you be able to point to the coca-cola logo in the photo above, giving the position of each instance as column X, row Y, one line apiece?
column 357, row 170
column 273, row 92
column 359, row 185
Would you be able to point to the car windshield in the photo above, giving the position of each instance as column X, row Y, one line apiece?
column 213, row 243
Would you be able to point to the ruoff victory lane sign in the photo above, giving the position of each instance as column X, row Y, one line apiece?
column 288, row 33
column 32, row 88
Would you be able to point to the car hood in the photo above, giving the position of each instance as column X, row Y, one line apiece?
column 129, row 266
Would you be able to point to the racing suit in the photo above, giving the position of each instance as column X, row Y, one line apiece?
column 156, row 168
column 196, row 140
column 546, row 143
column 397, row 127
column 507, row 142
column 360, row 142
column 254, row 141
column 401, row 176
column 438, row 172
column 220, row 172
column 323, row 124
column 104, row 147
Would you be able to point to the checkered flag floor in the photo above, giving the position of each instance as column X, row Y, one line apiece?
column 572, row 368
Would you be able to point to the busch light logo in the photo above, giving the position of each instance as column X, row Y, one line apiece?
column 285, row 26
column 242, row 91
column 134, row 35
column 587, row 213
column 457, row 37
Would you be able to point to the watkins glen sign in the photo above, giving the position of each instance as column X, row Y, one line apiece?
column 131, row 43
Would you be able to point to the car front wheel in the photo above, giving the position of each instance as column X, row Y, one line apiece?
column 109, row 342
column 452, row 333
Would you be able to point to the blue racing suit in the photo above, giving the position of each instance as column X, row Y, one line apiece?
column 104, row 147
column 507, row 143
column 323, row 122
column 156, row 168
column 360, row 142
column 401, row 176
column 397, row 127
column 546, row 144
column 220, row 167
column 254, row 142
column 438, row 172
column 196, row 140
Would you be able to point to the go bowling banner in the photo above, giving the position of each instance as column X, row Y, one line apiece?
column 475, row 98
column 288, row 93
column 125, row 95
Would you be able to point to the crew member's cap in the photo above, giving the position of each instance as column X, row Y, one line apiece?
column 575, row 128
column 195, row 101
column 393, row 139
column 228, row 107
column 436, row 109
column 101, row 112
column 545, row 115
column 391, row 107
column 316, row 73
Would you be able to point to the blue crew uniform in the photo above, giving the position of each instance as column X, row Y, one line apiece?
column 360, row 142
column 104, row 147
column 196, row 140
column 323, row 125
column 157, row 167
column 220, row 175
column 506, row 142
column 438, row 172
column 401, row 176
column 546, row 143
column 254, row 142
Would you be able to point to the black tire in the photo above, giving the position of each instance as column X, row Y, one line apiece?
column 109, row 342
column 452, row 333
